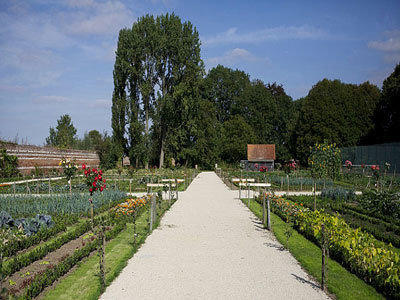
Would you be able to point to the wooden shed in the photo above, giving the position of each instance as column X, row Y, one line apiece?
column 259, row 157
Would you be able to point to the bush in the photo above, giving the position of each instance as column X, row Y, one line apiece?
column 338, row 194
column 8, row 165
column 386, row 203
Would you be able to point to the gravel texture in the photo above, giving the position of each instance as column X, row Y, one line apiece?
column 210, row 246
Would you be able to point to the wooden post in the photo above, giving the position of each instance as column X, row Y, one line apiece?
column 102, row 250
column 134, row 227
column 37, row 186
column 248, row 195
column 14, row 188
column 315, row 196
column 28, row 190
column 301, row 184
column 152, row 212
column 130, row 186
column 281, row 183
column 268, row 214
column 288, row 188
column 91, row 212
column 323, row 246
column 49, row 186
column 240, row 189
column 176, row 186
column 264, row 215
column 169, row 192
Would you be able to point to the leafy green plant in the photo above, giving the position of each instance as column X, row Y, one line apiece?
column 8, row 164
column 325, row 161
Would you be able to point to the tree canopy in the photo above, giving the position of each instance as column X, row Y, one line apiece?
column 64, row 136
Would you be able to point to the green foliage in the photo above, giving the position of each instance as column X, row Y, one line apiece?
column 387, row 114
column 64, row 136
column 69, row 168
column 374, row 261
column 156, row 75
column 337, row 112
column 8, row 164
column 58, row 204
column 237, row 134
column 338, row 194
column 325, row 161
column 385, row 203
column 53, row 273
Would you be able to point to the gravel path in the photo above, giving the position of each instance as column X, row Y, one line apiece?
column 210, row 246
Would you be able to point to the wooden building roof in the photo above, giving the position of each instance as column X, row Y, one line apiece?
column 260, row 152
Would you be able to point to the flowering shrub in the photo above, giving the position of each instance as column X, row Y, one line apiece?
column 94, row 179
column 289, row 166
column 325, row 161
column 375, row 172
column 69, row 167
column 130, row 206
column 263, row 169
column 283, row 208
column 348, row 164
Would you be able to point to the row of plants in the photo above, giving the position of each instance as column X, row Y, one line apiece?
column 374, row 261
column 21, row 206
column 355, row 216
column 20, row 261
column 15, row 245
column 54, row 272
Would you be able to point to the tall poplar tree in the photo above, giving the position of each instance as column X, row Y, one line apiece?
column 156, row 75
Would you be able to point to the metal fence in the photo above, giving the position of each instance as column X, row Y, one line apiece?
column 374, row 155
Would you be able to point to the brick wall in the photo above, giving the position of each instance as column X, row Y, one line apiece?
column 47, row 158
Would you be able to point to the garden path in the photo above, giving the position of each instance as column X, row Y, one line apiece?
column 210, row 246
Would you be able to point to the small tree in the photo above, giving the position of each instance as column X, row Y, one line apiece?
column 69, row 168
column 324, row 162
column 8, row 164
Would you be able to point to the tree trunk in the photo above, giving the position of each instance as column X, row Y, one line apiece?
column 162, row 150
column 146, row 163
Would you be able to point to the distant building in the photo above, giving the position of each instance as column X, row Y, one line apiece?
column 259, row 156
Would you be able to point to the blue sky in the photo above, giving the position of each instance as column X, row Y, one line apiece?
column 57, row 56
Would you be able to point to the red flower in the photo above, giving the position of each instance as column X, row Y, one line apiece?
column 101, row 189
column 83, row 166
column 104, row 180
column 100, row 177
column 96, row 178
column 101, row 172
column 94, row 183
column 90, row 190
column 104, row 186
column 86, row 172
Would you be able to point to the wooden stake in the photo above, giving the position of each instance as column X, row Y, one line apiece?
column 264, row 215
column 323, row 245
column 268, row 214
column 315, row 195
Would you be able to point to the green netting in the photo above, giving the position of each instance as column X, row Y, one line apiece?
column 374, row 155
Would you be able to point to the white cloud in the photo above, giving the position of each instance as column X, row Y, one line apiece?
column 274, row 33
column 232, row 57
column 52, row 99
column 390, row 47
column 99, row 18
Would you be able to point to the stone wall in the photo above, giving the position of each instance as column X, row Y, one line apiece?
column 48, row 159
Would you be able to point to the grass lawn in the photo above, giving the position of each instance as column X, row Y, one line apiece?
column 83, row 283
column 341, row 282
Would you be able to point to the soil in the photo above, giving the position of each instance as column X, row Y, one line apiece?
column 24, row 276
